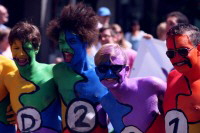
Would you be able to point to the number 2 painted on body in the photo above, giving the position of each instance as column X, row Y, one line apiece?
column 79, row 122
column 81, row 116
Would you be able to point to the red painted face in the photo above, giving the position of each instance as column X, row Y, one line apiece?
column 184, row 63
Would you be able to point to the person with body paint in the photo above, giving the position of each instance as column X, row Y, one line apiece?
column 32, row 90
column 182, row 98
column 140, row 98
column 6, row 123
column 78, row 84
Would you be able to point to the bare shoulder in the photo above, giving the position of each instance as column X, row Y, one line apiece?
column 153, row 83
column 151, row 80
column 11, row 74
column 7, row 63
column 9, row 77
column 46, row 68
column 174, row 75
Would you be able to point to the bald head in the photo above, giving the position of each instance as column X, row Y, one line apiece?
column 3, row 15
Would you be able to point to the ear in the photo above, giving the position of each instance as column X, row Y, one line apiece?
column 198, row 48
column 97, row 72
column 36, row 51
column 127, row 69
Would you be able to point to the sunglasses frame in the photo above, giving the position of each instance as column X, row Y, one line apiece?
column 178, row 50
column 107, row 67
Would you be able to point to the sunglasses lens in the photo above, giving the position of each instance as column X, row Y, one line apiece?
column 183, row 51
column 102, row 69
column 170, row 54
column 117, row 68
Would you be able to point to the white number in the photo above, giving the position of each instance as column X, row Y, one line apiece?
column 131, row 129
column 81, row 116
column 175, row 122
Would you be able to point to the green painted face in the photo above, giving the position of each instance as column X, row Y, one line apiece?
column 29, row 49
column 63, row 45
column 66, row 50
column 23, row 54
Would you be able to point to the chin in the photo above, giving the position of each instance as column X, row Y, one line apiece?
column 110, row 85
column 183, row 71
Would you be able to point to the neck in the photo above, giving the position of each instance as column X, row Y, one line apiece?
column 193, row 76
column 29, row 70
column 135, row 32
column 82, row 66
column 119, row 90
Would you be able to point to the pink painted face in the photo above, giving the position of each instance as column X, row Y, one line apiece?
column 185, row 56
column 114, row 72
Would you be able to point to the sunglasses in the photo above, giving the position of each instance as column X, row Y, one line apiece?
column 114, row 68
column 181, row 51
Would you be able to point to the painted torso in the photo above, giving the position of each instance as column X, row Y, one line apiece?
column 35, row 100
column 182, row 104
column 138, row 103
column 81, row 93
column 6, row 66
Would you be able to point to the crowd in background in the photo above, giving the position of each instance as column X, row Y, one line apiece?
column 108, row 33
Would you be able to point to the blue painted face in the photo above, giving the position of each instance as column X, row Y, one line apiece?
column 104, row 71
column 73, row 49
column 111, row 75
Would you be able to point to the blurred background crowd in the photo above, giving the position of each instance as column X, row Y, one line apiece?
column 129, row 21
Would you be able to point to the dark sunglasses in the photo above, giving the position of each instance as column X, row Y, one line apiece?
column 181, row 51
column 114, row 68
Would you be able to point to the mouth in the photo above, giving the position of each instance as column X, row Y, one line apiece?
column 67, row 56
column 110, row 79
column 110, row 83
column 22, row 62
column 180, row 63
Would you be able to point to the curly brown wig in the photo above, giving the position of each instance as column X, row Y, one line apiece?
column 25, row 32
column 79, row 19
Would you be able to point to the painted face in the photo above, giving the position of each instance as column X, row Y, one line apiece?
column 185, row 54
column 23, row 55
column 112, row 74
column 73, row 49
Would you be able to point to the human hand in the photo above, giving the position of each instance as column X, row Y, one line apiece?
column 10, row 115
column 148, row 36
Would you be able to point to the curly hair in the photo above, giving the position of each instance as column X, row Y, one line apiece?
column 25, row 32
column 79, row 19
column 188, row 29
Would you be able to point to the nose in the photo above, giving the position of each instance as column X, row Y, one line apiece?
column 21, row 52
column 103, row 38
column 177, row 57
column 110, row 74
